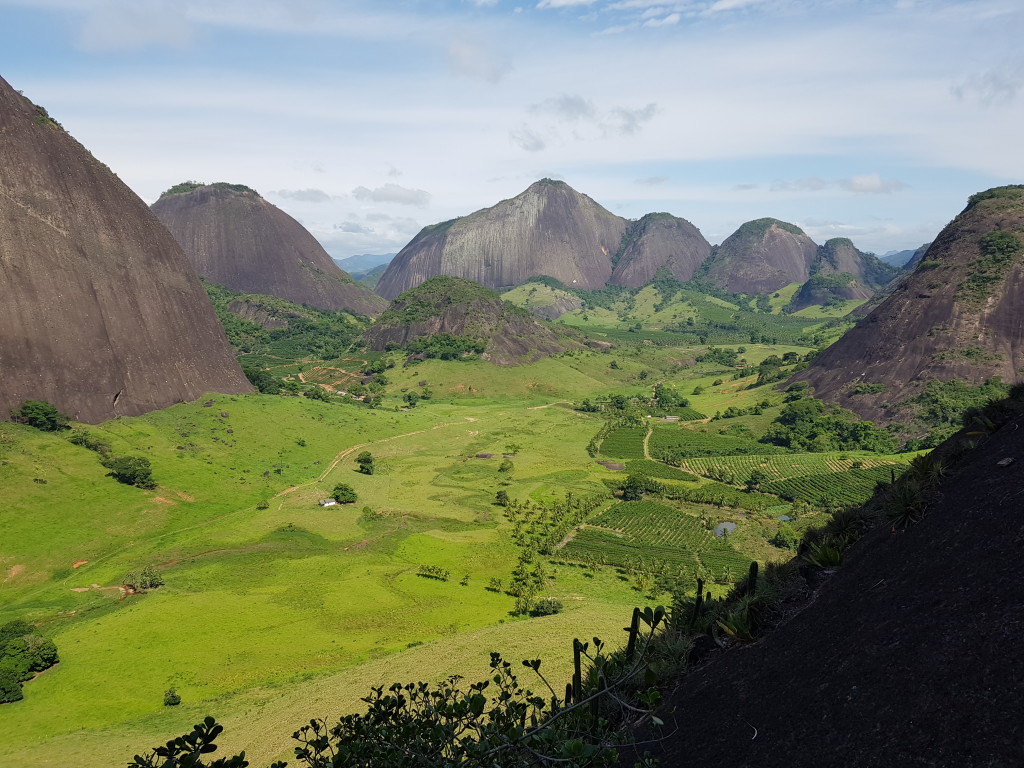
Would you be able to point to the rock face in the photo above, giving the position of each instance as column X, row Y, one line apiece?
column 839, row 255
column 762, row 256
column 550, row 229
column 235, row 238
column 510, row 335
column 101, row 314
column 659, row 240
column 957, row 316
column 900, row 659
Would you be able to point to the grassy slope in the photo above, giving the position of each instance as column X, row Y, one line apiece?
column 248, row 601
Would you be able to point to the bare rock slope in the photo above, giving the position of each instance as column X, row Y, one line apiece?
column 659, row 240
column 549, row 229
column 762, row 256
column 957, row 316
column 235, row 238
column 101, row 313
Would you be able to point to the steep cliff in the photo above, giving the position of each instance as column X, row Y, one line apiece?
column 101, row 313
column 659, row 240
column 957, row 316
column 761, row 257
column 549, row 229
column 235, row 238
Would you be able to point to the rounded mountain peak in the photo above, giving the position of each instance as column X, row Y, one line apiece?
column 235, row 238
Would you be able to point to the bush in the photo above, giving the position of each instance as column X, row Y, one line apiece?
column 344, row 494
column 130, row 470
column 171, row 698
column 10, row 686
column 88, row 440
column 41, row 415
column 140, row 581
column 546, row 606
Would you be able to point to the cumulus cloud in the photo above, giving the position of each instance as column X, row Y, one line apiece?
column 118, row 25
column 629, row 121
column 651, row 181
column 392, row 193
column 473, row 59
column 303, row 195
column 354, row 227
column 524, row 138
column 864, row 184
column 672, row 18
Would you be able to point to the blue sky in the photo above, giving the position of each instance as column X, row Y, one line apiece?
column 368, row 120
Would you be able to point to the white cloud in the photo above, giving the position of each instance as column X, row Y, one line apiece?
column 117, row 25
column 303, row 195
column 865, row 184
column 995, row 86
column 474, row 59
column 392, row 193
column 565, row 107
column 651, row 180
column 667, row 21
column 730, row 5
column 524, row 138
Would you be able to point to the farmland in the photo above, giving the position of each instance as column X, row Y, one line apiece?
column 737, row 469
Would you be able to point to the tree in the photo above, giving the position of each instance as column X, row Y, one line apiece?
column 318, row 393
column 757, row 478
column 41, row 415
column 501, row 498
column 262, row 380
column 130, row 470
column 506, row 466
column 411, row 398
column 343, row 494
column 365, row 462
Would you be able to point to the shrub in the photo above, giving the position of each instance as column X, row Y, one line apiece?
column 140, row 581
column 41, row 415
column 130, row 470
column 86, row 439
column 546, row 606
column 171, row 698
column 10, row 686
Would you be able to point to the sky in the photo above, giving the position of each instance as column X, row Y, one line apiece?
column 369, row 120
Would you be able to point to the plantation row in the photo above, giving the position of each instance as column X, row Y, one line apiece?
column 737, row 469
column 672, row 445
column 656, row 469
column 646, row 535
column 721, row 495
column 835, row 489
column 684, row 413
column 625, row 443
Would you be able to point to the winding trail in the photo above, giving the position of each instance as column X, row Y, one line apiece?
column 647, row 439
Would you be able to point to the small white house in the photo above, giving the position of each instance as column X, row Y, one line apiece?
column 328, row 502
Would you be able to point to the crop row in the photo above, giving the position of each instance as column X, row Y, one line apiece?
column 673, row 444
column 737, row 469
column 656, row 469
column 625, row 443
column 841, row 488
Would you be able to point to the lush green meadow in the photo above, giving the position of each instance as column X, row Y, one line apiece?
column 275, row 609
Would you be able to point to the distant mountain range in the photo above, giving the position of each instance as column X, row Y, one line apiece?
column 552, row 230
column 363, row 262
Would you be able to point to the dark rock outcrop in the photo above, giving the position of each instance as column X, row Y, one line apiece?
column 762, row 256
column 101, row 313
column 235, row 238
column 907, row 656
column 957, row 316
column 451, row 305
column 659, row 240
column 549, row 229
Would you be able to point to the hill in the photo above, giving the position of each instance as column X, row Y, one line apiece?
column 659, row 240
column 762, row 256
column 906, row 656
column 544, row 301
column 903, row 258
column 955, row 318
column 101, row 314
column 372, row 277
column 364, row 262
column 549, row 229
column 470, row 318
column 235, row 238
column 839, row 255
